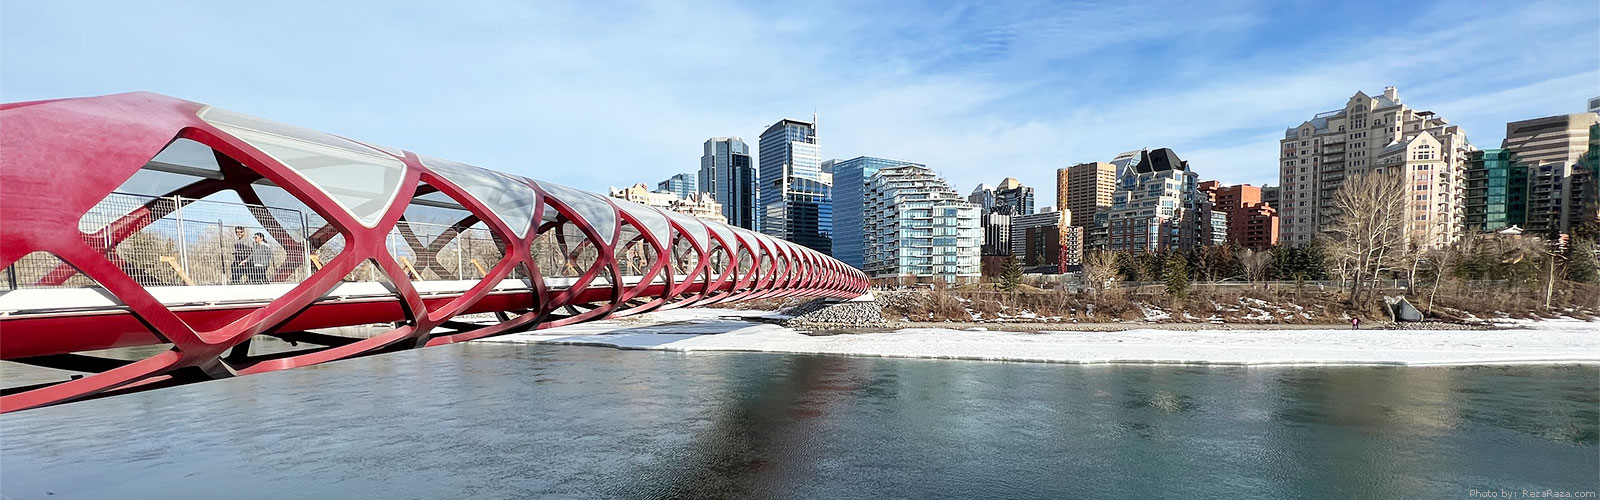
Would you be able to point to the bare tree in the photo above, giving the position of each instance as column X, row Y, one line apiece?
column 1099, row 270
column 1440, row 260
column 1368, row 226
column 1255, row 264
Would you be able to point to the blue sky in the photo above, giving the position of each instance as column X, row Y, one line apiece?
column 593, row 94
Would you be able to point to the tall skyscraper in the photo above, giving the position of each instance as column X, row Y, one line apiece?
column 849, row 198
column 727, row 172
column 1085, row 189
column 918, row 227
column 683, row 185
column 1373, row 134
column 795, row 196
column 1011, row 197
column 1550, row 148
column 983, row 197
column 1158, row 206
column 996, row 232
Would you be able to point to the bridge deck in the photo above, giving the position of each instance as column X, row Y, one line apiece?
column 56, row 301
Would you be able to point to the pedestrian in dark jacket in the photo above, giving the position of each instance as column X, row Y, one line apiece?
column 238, row 270
column 260, row 258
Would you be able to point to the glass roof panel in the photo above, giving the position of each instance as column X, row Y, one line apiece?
column 652, row 219
column 362, row 180
column 724, row 232
column 693, row 228
column 510, row 198
column 748, row 240
column 766, row 243
column 593, row 208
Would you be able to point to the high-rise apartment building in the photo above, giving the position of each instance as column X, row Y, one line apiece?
column 849, row 203
column 1085, row 189
column 1046, row 241
column 1158, row 206
column 1551, row 148
column 788, row 151
column 1252, row 223
column 729, row 173
column 918, row 227
column 1497, row 192
column 683, row 184
column 1011, row 197
column 1590, row 163
column 1271, row 196
column 1371, row 134
column 1124, row 162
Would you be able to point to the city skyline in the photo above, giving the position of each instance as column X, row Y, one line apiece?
column 532, row 98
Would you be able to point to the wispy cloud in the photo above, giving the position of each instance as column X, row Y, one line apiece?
column 596, row 94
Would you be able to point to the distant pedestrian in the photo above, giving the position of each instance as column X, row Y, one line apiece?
column 1355, row 323
column 238, row 268
column 260, row 258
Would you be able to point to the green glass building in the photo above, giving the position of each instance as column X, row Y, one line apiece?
column 1497, row 191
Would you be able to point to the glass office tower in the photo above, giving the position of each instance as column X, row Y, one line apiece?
column 849, row 195
column 790, row 169
column 683, row 185
column 727, row 172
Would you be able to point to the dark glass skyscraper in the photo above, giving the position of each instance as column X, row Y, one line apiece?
column 728, row 174
column 849, row 191
column 1497, row 191
column 1013, row 198
column 793, row 187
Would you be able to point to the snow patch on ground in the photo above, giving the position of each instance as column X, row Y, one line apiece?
column 1153, row 313
column 692, row 330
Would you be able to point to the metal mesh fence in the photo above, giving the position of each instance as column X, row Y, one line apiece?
column 175, row 241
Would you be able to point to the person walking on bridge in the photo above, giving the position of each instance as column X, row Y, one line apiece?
column 260, row 257
column 237, row 268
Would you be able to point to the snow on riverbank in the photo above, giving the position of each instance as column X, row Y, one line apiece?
column 692, row 330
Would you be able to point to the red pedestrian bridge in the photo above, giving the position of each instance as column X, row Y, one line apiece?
column 148, row 241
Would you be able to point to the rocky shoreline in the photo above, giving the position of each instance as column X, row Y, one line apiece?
column 850, row 316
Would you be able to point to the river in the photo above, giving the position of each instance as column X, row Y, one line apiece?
column 543, row 421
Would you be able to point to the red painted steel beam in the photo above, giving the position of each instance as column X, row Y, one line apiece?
column 60, row 158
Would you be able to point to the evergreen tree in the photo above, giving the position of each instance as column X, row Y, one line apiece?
column 1011, row 275
column 1582, row 265
column 1176, row 274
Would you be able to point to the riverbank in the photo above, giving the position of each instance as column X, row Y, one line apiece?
column 696, row 330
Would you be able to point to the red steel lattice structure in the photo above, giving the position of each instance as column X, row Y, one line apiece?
column 59, row 159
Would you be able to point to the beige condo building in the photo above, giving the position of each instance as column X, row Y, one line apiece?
column 1085, row 190
column 1373, row 133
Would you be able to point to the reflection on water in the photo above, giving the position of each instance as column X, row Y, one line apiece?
column 512, row 421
